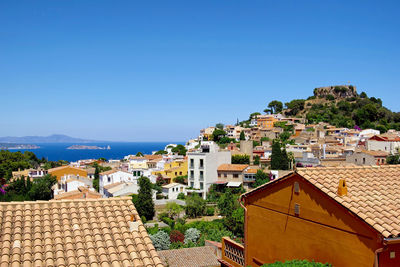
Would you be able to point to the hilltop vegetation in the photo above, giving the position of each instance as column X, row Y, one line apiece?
column 340, row 106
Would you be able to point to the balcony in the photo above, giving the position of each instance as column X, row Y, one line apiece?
column 232, row 253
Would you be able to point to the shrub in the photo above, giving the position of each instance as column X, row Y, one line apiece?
column 192, row 235
column 297, row 263
column 195, row 206
column 330, row 97
column 180, row 179
column 160, row 240
column 210, row 211
column 181, row 196
column 176, row 236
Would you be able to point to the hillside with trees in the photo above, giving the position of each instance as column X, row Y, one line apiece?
column 340, row 106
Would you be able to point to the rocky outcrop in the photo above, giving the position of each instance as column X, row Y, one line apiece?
column 338, row 91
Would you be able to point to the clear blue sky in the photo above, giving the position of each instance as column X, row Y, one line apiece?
column 161, row 70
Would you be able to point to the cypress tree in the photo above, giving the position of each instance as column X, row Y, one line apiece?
column 276, row 157
column 144, row 203
column 285, row 160
column 242, row 136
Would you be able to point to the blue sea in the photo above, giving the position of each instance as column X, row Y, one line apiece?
column 59, row 151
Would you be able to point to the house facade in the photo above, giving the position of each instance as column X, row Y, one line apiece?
column 113, row 177
column 202, row 166
column 340, row 215
column 367, row 157
column 384, row 143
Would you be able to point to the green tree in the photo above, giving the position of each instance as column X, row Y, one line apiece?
column 219, row 126
column 276, row 156
column 173, row 210
column 256, row 160
column 295, row 106
column 242, row 136
column 218, row 134
column 96, row 179
column 180, row 149
column 240, row 159
column 161, row 152
column 195, row 206
column 41, row 188
column 227, row 203
column 144, row 204
column 261, row 178
column 275, row 106
column 139, row 154
column 393, row 159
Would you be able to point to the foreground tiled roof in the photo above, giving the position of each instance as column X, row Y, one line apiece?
column 197, row 256
column 78, row 194
column 91, row 232
column 373, row 193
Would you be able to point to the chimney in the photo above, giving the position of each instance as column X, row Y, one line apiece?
column 342, row 189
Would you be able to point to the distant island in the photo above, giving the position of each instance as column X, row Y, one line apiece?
column 55, row 138
column 88, row 147
column 17, row 146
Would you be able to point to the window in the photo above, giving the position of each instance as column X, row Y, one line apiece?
column 201, row 163
column 180, row 173
column 363, row 160
column 191, row 184
column 201, row 175
column 219, row 175
column 225, row 175
column 201, row 186
column 191, row 163
column 235, row 175
column 192, row 174
column 108, row 179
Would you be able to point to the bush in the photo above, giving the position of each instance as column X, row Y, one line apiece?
column 181, row 196
column 176, row 236
column 192, row 235
column 161, row 240
column 297, row 263
column 210, row 211
column 195, row 206
column 240, row 159
column 330, row 97
column 180, row 179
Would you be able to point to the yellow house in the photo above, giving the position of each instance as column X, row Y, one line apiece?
column 174, row 169
column 266, row 121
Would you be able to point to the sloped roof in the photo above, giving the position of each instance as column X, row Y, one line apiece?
column 196, row 256
column 64, row 167
column 375, row 153
column 232, row 167
column 78, row 194
column 373, row 192
column 89, row 232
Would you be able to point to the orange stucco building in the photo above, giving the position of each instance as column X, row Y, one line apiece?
column 346, row 216
column 67, row 170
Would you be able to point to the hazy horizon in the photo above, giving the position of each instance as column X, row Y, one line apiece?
column 160, row 71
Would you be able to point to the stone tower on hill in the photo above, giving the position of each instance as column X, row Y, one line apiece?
column 338, row 91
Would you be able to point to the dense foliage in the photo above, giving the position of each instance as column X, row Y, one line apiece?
column 261, row 178
column 279, row 157
column 195, row 206
column 23, row 189
column 13, row 161
column 362, row 111
column 143, row 201
column 393, row 159
column 297, row 263
column 180, row 150
column 240, row 159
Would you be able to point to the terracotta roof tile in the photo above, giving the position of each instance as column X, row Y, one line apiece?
column 232, row 167
column 73, row 233
column 373, row 192
column 196, row 256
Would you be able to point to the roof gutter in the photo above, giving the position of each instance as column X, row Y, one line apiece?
column 394, row 240
column 376, row 261
column 245, row 227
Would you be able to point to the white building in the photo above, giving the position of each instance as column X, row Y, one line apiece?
column 172, row 190
column 202, row 167
column 70, row 183
column 120, row 189
column 114, row 177
column 384, row 143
